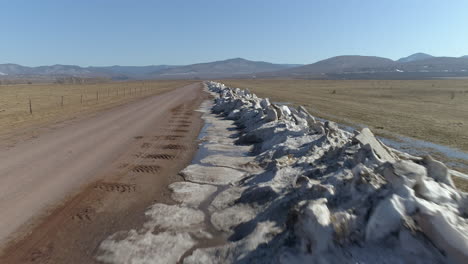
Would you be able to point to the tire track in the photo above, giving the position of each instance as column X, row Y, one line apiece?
column 146, row 168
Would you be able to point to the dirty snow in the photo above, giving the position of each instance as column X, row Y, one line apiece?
column 285, row 187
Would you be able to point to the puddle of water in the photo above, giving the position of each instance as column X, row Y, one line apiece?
column 416, row 147
column 407, row 143
column 202, row 151
column 282, row 103
column 411, row 145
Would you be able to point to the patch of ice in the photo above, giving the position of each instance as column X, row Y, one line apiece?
column 173, row 217
column 135, row 248
column 211, row 175
column 191, row 194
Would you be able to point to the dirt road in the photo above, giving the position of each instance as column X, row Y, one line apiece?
column 81, row 182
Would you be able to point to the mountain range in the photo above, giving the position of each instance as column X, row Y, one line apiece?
column 415, row 66
column 215, row 69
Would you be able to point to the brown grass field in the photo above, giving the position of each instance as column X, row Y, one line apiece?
column 430, row 110
column 435, row 111
column 47, row 106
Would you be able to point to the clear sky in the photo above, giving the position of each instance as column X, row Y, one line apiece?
column 139, row 32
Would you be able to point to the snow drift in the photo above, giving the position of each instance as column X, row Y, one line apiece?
column 339, row 197
column 308, row 192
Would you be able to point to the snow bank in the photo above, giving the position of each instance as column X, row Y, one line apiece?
column 337, row 197
column 286, row 188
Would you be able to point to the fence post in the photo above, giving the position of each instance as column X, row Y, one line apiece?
column 30, row 106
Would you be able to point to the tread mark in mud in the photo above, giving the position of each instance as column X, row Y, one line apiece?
column 180, row 131
column 181, row 114
column 179, row 126
column 180, row 123
column 173, row 146
column 173, row 137
column 84, row 215
column 138, row 137
column 123, row 165
column 176, row 109
column 160, row 156
column 116, row 187
column 167, row 137
column 41, row 255
column 145, row 145
column 146, row 168
column 185, row 122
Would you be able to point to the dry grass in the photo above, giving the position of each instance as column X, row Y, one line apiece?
column 461, row 183
column 435, row 111
column 46, row 100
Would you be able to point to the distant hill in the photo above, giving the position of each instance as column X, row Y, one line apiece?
column 215, row 69
column 415, row 66
column 339, row 64
column 220, row 69
column 113, row 72
column 343, row 64
column 415, row 57
column 13, row 69
column 436, row 64
column 18, row 70
column 129, row 72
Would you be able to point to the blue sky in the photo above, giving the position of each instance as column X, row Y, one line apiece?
column 138, row 32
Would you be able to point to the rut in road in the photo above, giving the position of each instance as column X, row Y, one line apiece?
column 115, row 187
column 159, row 156
column 146, row 168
